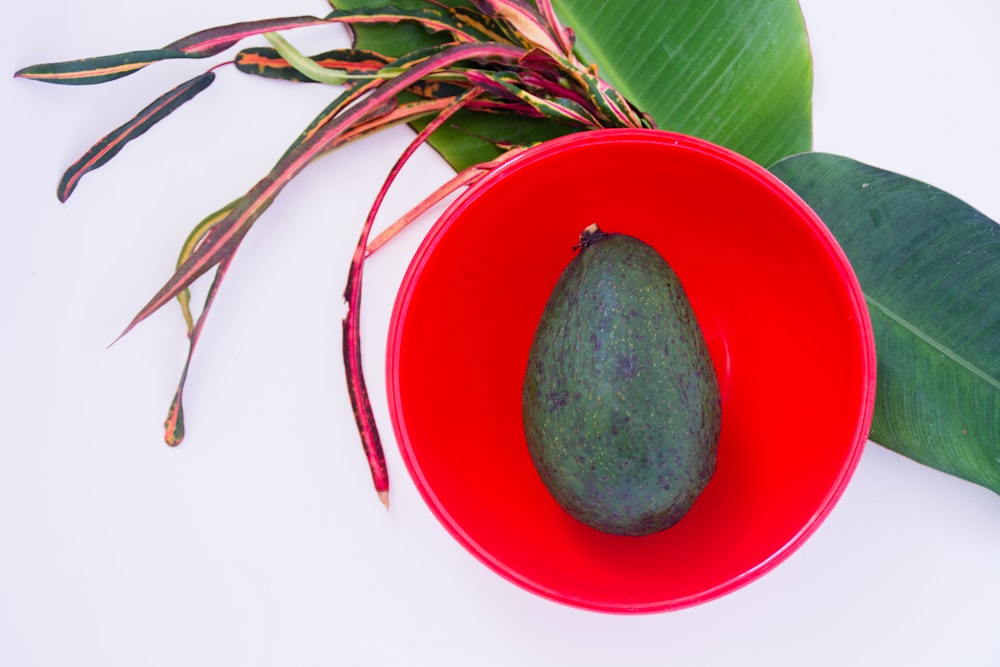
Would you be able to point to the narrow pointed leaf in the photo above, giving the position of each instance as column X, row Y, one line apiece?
column 465, row 178
column 432, row 19
column 391, row 39
column 563, row 34
column 561, row 110
column 524, row 18
column 173, row 426
column 111, row 144
column 197, row 235
column 99, row 69
column 929, row 265
column 216, row 40
column 612, row 104
column 475, row 20
column 267, row 62
column 87, row 71
column 356, row 386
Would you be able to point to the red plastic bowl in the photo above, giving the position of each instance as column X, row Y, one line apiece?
column 781, row 310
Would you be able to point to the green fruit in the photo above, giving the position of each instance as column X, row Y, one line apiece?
column 621, row 402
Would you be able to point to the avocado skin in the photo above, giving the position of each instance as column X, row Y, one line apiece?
column 621, row 403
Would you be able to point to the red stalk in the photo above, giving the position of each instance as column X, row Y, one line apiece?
column 363, row 416
column 468, row 176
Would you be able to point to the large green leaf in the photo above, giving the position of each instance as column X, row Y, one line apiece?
column 733, row 72
column 929, row 265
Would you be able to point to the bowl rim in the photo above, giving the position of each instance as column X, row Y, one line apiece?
column 764, row 178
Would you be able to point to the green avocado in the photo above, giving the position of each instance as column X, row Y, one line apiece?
column 620, row 400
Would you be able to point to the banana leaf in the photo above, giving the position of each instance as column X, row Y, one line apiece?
column 929, row 265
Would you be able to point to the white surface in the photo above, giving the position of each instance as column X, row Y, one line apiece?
column 260, row 541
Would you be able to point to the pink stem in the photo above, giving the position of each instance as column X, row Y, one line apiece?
column 363, row 416
column 466, row 177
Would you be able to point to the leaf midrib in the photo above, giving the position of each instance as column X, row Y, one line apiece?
column 931, row 341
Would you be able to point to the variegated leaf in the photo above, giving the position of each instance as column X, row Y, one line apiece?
column 111, row 144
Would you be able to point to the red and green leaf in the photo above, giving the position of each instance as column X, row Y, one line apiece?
column 363, row 415
column 213, row 41
column 112, row 143
column 100, row 69
column 432, row 19
column 197, row 235
column 524, row 23
column 265, row 61
column 173, row 426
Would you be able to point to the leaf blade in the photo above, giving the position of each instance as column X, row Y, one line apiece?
column 735, row 73
column 112, row 143
column 930, row 268
column 202, row 44
column 213, row 41
column 268, row 63
column 99, row 69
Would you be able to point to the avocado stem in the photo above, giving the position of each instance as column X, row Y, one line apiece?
column 589, row 235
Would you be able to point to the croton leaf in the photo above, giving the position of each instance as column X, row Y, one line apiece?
column 929, row 265
column 735, row 73
column 202, row 44
column 112, row 143
column 470, row 138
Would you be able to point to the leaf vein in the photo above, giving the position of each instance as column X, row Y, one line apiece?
column 931, row 341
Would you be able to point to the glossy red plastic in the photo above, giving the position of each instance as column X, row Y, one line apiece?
column 779, row 305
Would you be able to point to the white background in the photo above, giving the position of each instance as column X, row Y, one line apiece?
column 260, row 541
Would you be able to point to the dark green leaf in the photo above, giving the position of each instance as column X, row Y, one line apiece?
column 929, row 265
column 110, row 145
column 201, row 44
column 87, row 71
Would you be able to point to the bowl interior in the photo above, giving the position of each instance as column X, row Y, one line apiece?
column 779, row 307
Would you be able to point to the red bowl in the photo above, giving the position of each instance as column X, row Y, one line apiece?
column 779, row 305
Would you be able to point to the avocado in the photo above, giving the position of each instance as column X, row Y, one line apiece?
column 621, row 404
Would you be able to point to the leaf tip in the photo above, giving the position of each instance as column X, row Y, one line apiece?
column 174, row 425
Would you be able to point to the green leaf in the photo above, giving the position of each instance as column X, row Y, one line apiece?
column 929, row 265
column 733, row 72
column 308, row 67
